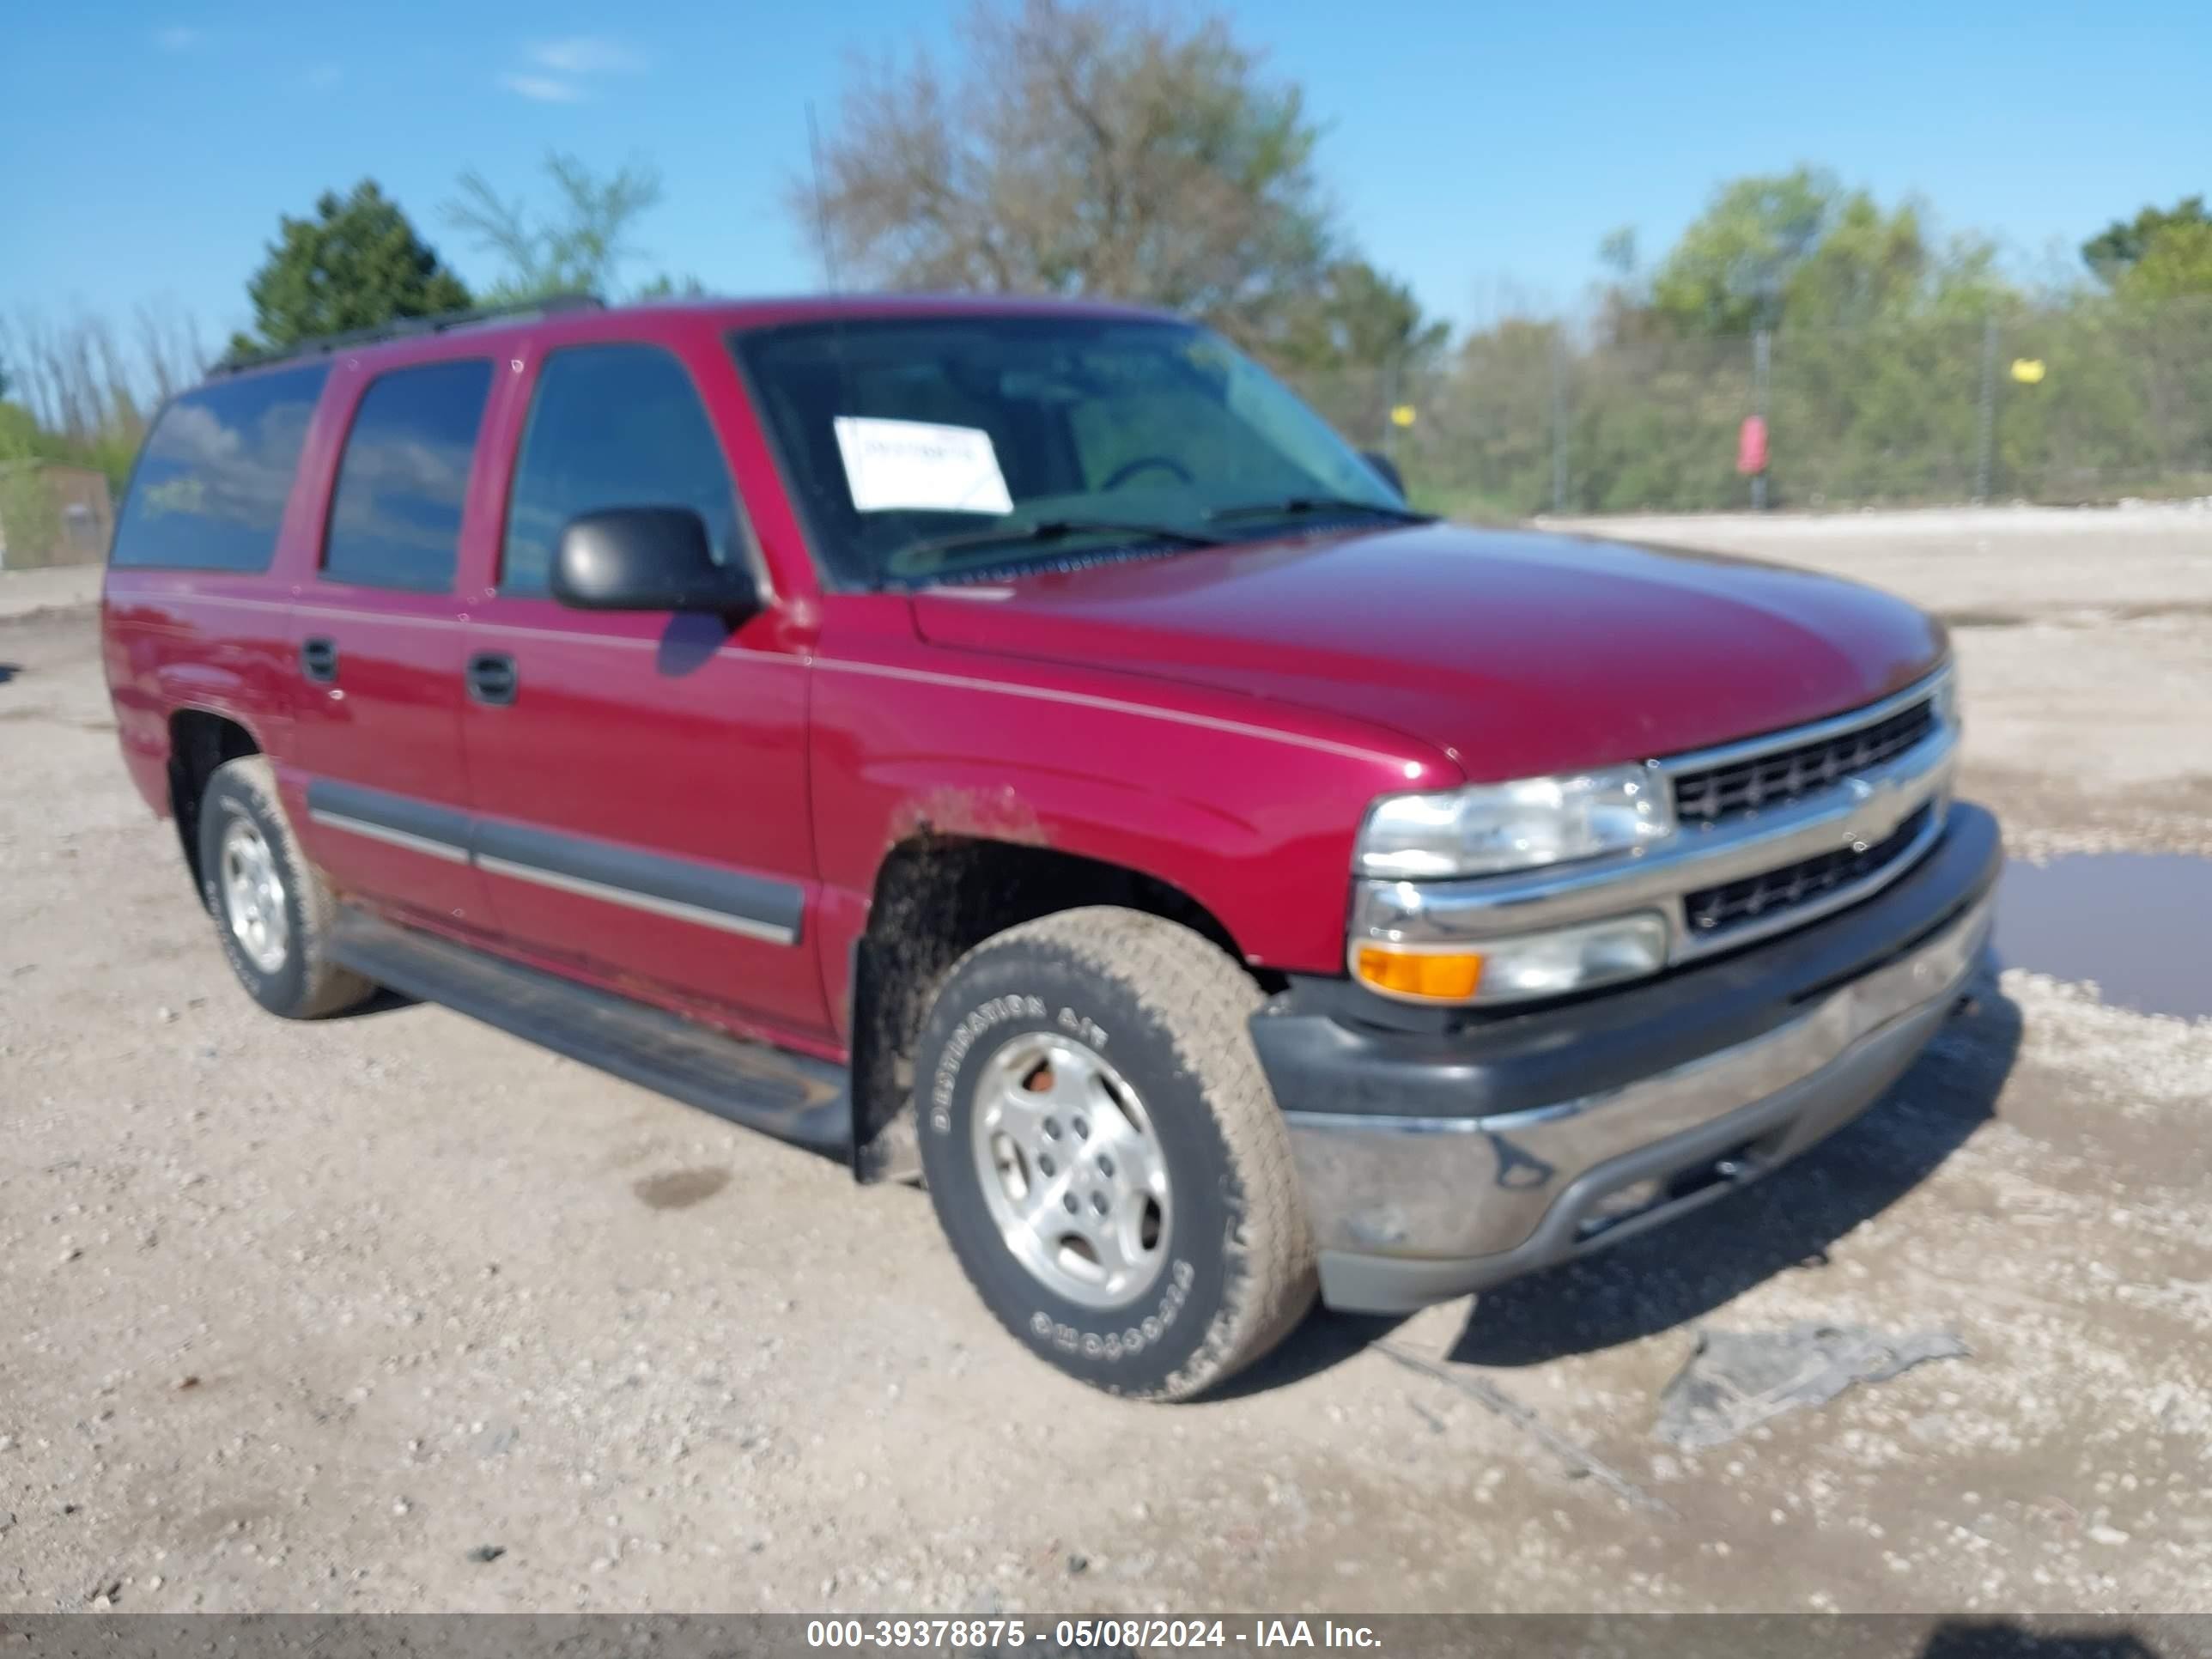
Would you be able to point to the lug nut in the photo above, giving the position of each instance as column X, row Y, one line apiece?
column 1082, row 1129
column 1105, row 1166
column 1098, row 1203
column 1051, row 1128
column 1044, row 1162
column 1069, row 1202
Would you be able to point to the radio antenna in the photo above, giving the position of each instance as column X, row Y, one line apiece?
column 821, row 202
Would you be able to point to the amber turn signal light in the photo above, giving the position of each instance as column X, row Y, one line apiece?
column 1437, row 977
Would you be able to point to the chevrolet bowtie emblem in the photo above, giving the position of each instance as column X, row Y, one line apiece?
column 1877, row 808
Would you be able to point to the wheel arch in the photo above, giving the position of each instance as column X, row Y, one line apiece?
column 200, row 740
column 936, row 896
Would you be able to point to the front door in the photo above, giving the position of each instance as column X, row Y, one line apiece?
column 377, row 643
column 639, row 779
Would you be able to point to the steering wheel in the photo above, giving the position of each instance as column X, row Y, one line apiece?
column 1129, row 469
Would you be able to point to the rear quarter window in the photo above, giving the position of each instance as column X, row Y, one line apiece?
column 209, row 489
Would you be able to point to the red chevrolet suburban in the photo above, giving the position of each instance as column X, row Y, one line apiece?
column 1019, row 745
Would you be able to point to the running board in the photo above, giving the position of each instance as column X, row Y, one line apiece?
column 806, row 1101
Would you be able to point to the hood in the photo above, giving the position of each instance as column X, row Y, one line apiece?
column 1514, row 652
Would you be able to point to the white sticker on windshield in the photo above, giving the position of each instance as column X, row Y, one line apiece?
column 903, row 465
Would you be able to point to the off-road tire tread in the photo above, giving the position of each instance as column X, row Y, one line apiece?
column 328, row 988
column 1203, row 998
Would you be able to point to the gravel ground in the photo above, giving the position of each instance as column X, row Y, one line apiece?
column 396, row 1313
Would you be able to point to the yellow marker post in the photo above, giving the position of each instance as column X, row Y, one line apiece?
column 2028, row 371
column 1402, row 415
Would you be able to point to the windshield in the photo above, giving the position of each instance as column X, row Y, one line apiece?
column 933, row 446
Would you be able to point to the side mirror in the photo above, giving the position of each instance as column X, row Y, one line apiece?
column 646, row 558
column 1386, row 469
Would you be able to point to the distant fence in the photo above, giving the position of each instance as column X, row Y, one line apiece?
column 2091, row 402
column 52, row 513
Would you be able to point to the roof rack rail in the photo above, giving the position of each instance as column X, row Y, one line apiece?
column 400, row 328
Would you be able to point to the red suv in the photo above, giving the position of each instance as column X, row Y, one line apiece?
column 1019, row 744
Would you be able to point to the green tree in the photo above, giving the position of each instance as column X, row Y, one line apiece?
column 1085, row 148
column 1867, row 266
column 1727, row 272
column 1359, row 346
column 29, row 522
column 20, row 437
column 1795, row 246
column 355, row 263
column 2175, row 263
column 2115, row 250
column 1358, row 318
column 579, row 248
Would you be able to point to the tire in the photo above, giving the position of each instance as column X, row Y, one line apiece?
column 301, row 981
column 1163, row 1012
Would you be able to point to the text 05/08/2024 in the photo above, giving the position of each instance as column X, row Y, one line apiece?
column 971, row 1634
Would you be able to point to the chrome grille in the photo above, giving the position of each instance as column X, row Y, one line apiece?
column 1714, row 794
column 1711, row 911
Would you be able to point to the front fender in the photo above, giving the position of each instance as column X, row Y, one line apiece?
column 1252, row 820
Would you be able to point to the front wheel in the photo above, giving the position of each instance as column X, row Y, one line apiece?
column 1105, row 1156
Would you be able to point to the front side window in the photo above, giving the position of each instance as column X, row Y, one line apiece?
column 612, row 426
column 396, row 516
column 924, row 448
column 209, row 489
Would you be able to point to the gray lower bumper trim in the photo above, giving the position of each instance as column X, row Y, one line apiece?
column 1439, row 1206
column 1756, row 1140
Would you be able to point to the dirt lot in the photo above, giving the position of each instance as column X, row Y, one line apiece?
column 318, row 1316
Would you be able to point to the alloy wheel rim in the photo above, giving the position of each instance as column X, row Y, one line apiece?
column 1072, row 1170
column 253, row 895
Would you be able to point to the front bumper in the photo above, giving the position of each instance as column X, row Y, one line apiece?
column 1439, row 1162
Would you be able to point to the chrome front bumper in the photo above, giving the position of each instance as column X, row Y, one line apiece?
column 1408, row 1210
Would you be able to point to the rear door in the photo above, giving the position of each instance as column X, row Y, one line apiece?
column 379, row 645
column 640, row 780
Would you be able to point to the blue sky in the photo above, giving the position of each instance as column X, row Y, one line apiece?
column 1479, row 150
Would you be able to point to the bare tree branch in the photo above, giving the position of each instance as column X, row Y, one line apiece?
column 580, row 247
column 1084, row 147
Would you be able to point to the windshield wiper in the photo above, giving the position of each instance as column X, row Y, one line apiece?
column 1292, row 506
column 1052, row 529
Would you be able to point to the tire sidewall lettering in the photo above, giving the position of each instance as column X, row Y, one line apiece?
column 944, row 1084
column 1115, row 1345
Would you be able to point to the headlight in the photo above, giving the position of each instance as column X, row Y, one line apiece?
column 1516, row 968
column 1947, row 699
column 1490, row 827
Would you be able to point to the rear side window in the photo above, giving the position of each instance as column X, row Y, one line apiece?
column 612, row 426
column 210, row 487
column 396, row 516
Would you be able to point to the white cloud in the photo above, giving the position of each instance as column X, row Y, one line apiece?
column 587, row 54
column 560, row 71
column 176, row 37
column 544, row 88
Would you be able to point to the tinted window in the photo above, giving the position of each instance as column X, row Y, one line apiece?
column 612, row 426
column 396, row 518
column 209, row 489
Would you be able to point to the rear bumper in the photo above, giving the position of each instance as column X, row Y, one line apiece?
column 1438, row 1162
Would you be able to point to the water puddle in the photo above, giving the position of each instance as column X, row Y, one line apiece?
column 2139, row 924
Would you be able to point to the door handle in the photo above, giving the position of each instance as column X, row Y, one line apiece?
column 492, row 677
column 319, row 659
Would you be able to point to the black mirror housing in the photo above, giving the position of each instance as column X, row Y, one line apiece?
column 1386, row 469
column 646, row 558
